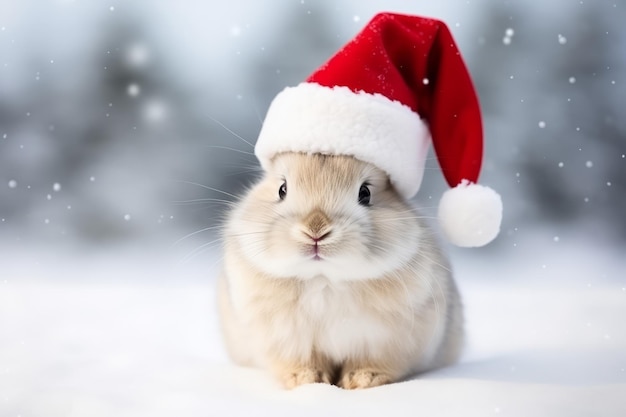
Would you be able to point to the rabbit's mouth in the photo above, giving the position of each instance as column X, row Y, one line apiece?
column 315, row 252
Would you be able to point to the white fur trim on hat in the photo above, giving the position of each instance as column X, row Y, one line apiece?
column 335, row 120
column 470, row 214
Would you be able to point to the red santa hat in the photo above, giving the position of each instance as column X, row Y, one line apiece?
column 398, row 85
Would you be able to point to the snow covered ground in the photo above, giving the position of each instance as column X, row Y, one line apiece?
column 135, row 334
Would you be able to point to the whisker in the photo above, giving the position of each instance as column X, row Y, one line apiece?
column 230, row 149
column 429, row 259
column 260, row 252
column 198, row 250
column 248, row 165
column 245, row 171
column 381, row 249
column 257, row 112
column 209, row 188
column 230, row 131
column 195, row 233
column 203, row 200
column 246, row 234
column 245, row 168
column 218, row 261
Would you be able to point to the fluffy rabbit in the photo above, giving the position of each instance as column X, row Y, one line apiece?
column 330, row 276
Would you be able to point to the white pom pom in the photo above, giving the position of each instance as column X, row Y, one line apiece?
column 470, row 214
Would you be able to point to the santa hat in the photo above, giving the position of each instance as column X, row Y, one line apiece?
column 400, row 82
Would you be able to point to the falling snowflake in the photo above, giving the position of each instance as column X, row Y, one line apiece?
column 133, row 90
column 138, row 54
column 508, row 36
column 155, row 111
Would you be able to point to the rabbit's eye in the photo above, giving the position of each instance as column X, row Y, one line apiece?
column 364, row 195
column 282, row 191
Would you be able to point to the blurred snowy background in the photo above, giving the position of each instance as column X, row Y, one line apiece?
column 122, row 125
column 110, row 110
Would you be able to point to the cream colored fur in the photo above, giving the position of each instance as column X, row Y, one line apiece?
column 379, row 305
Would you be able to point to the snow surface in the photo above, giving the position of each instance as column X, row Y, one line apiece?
column 124, row 334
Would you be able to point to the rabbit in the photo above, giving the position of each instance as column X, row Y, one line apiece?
column 329, row 276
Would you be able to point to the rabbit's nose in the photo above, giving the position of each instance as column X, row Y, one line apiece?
column 317, row 225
